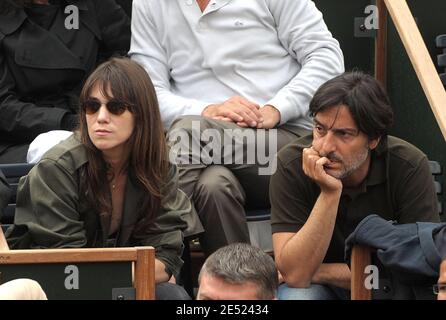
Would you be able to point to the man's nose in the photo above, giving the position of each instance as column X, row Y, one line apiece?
column 328, row 145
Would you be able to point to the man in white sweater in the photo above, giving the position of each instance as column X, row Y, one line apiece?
column 228, row 69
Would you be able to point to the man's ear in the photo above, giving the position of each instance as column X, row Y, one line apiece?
column 374, row 143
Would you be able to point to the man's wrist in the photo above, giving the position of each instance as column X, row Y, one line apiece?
column 208, row 111
column 331, row 194
column 275, row 111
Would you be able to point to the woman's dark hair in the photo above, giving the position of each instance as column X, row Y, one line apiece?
column 365, row 98
column 148, row 162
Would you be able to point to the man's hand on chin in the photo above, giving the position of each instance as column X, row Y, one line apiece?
column 313, row 166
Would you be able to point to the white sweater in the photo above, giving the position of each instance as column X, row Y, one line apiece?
column 275, row 52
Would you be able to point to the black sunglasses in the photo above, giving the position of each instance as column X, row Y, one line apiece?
column 116, row 107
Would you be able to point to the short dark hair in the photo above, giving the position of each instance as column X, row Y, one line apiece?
column 239, row 263
column 365, row 98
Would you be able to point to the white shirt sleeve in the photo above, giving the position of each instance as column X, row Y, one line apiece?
column 304, row 34
column 147, row 50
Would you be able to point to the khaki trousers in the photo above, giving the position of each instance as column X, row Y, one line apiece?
column 226, row 181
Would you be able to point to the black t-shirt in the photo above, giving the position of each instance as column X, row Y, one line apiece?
column 399, row 186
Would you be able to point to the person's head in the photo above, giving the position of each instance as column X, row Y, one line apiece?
column 441, row 285
column 120, row 120
column 238, row 271
column 351, row 115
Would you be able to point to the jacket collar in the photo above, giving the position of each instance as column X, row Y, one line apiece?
column 13, row 20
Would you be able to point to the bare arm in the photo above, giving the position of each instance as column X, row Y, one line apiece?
column 337, row 274
column 300, row 255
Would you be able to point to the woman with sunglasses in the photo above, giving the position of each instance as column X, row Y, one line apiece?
column 109, row 184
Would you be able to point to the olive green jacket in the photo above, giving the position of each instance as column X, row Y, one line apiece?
column 52, row 211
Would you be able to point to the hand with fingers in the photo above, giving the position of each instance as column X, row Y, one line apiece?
column 235, row 109
column 270, row 115
column 313, row 166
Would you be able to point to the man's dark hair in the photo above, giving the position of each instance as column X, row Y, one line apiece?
column 365, row 98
